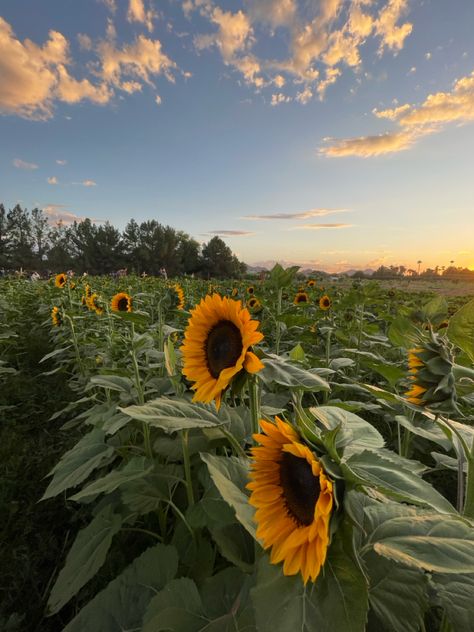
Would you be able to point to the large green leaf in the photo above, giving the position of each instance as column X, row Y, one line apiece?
column 122, row 604
column 455, row 593
column 397, row 594
column 290, row 375
column 336, row 602
column 76, row 465
column 176, row 608
column 436, row 310
column 355, row 434
column 390, row 475
column 137, row 467
column 172, row 415
column 145, row 494
column 461, row 329
column 230, row 475
column 403, row 332
column 426, row 429
column 113, row 382
column 431, row 542
column 86, row 556
column 282, row 277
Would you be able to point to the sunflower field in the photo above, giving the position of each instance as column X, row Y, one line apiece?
column 221, row 456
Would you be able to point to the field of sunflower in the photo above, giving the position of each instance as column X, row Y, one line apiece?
column 221, row 456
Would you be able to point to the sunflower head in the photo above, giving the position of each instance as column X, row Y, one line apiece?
column 294, row 500
column 251, row 289
column 301, row 297
column 179, row 296
column 311, row 283
column 93, row 304
column 60, row 280
column 88, row 290
column 56, row 317
column 254, row 304
column 430, row 370
column 324, row 302
column 217, row 346
column 121, row 302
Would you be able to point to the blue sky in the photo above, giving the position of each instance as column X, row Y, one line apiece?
column 334, row 134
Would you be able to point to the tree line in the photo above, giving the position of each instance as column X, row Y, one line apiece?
column 29, row 242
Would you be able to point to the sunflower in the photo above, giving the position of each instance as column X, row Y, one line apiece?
column 179, row 296
column 121, row 302
column 294, row 500
column 251, row 289
column 88, row 290
column 217, row 344
column 325, row 302
column 93, row 305
column 60, row 280
column 311, row 283
column 56, row 317
column 431, row 373
column 235, row 291
column 301, row 297
column 253, row 302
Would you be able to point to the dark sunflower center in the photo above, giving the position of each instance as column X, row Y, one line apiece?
column 122, row 304
column 300, row 488
column 301, row 298
column 223, row 347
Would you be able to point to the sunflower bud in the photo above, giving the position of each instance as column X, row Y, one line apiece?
column 431, row 371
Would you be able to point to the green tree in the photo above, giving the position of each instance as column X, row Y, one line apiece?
column 3, row 237
column 19, row 238
column 218, row 260
column 39, row 229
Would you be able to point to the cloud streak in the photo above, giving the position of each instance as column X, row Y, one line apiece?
column 22, row 164
column 315, row 212
column 320, row 226
column 231, row 233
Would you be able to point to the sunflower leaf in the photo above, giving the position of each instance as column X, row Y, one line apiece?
column 336, row 602
column 122, row 604
column 76, row 465
column 391, row 475
column 456, row 595
column 86, row 556
column 430, row 542
column 172, row 415
column 461, row 329
column 230, row 475
column 286, row 374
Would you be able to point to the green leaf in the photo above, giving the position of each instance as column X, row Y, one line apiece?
column 176, row 608
column 355, row 434
column 230, row 475
column 146, row 493
column 436, row 310
column 297, row 354
column 426, row 429
column 226, row 601
column 456, row 595
column 403, row 332
column 137, row 467
column 390, row 372
column 54, row 353
column 76, row 465
column 461, row 329
column 122, row 604
column 172, row 415
column 397, row 594
column 390, row 475
column 281, row 277
column 113, row 382
column 286, row 374
column 336, row 602
column 431, row 542
column 235, row 544
column 86, row 556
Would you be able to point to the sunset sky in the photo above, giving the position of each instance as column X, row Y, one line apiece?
column 333, row 134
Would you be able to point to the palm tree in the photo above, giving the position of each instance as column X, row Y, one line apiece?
column 419, row 262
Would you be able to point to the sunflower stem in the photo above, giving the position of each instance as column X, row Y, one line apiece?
column 278, row 324
column 254, row 404
column 76, row 346
column 359, row 335
column 187, row 466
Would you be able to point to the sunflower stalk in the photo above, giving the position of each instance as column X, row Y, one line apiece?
column 254, row 396
column 278, row 324
column 187, row 466
column 359, row 335
column 76, row 346
column 140, row 394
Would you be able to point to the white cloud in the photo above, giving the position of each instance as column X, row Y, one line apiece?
column 231, row 233
column 138, row 13
column 279, row 98
column 58, row 213
column 22, row 164
column 52, row 180
column 415, row 122
column 158, row 100
column 85, row 42
column 89, row 183
column 35, row 76
column 61, row 162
